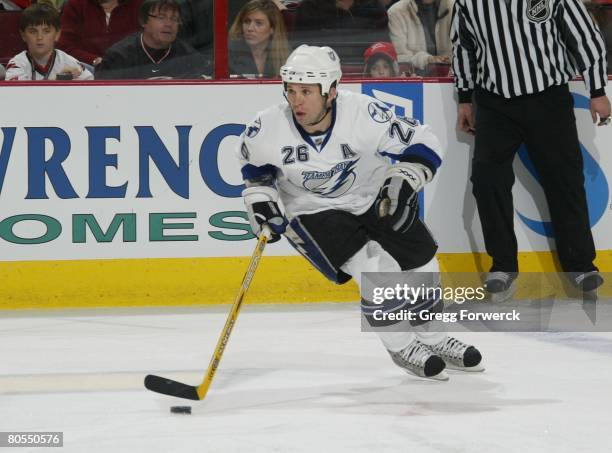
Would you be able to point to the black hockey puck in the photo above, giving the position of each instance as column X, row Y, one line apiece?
column 180, row 409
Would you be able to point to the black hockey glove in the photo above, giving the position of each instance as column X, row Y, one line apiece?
column 397, row 202
column 262, row 209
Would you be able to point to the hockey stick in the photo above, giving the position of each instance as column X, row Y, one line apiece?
column 173, row 388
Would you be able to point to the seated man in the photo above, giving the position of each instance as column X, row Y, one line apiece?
column 155, row 52
column 39, row 27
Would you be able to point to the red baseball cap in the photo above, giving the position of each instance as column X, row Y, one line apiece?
column 385, row 48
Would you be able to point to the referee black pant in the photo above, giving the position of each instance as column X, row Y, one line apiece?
column 546, row 124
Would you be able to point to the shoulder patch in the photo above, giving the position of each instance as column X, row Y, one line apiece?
column 253, row 129
column 379, row 112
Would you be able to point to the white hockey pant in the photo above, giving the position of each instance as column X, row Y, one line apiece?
column 373, row 258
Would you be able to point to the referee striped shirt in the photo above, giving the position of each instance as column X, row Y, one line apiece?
column 517, row 47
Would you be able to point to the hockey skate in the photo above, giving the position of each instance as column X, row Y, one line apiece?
column 457, row 355
column 418, row 359
column 501, row 286
column 587, row 283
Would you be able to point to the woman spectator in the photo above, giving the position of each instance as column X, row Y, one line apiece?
column 420, row 31
column 90, row 27
column 258, row 42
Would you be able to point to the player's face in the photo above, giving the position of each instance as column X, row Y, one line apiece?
column 40, row 40
column 256, row 29
column 308, row 104
column 381, row 68
column 161, row 28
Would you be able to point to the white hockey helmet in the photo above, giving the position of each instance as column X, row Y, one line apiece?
column 312, row 64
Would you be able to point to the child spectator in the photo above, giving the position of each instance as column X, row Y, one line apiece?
column 154, row 53
column 258, row 41
column 381, row 61
column 90, row 27
column 39, row 27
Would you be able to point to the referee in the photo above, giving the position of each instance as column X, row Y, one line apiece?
column 514, row 59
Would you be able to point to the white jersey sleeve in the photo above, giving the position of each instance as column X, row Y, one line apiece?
column 259, row 164
column 18, row 68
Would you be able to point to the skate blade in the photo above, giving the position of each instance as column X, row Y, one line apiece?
column 441, row 376
column 468, row 369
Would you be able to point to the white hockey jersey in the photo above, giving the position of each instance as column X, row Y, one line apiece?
column 21, row 67
column 342, row 169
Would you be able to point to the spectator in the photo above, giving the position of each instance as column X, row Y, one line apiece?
column 381, row 61
column 90, row 27
column 258, row 41
column 420, row 32
column 39, row 26
column 349, row 26
column 2, row 72
column 155, row 52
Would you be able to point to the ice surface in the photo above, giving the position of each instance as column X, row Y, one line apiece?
column 293, row 379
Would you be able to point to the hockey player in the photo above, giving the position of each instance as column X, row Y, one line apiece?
column 327, row 156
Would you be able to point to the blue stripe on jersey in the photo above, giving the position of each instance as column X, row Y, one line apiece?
column 419, row 150
column 251, row 172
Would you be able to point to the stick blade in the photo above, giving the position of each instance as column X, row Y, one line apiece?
column 169, row 387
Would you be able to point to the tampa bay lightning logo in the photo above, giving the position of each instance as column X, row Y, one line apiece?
column 379, row 112
column 595, row 184
column 253, row 129
column 331, row 183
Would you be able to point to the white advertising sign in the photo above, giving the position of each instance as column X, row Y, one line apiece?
column 148, row 171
